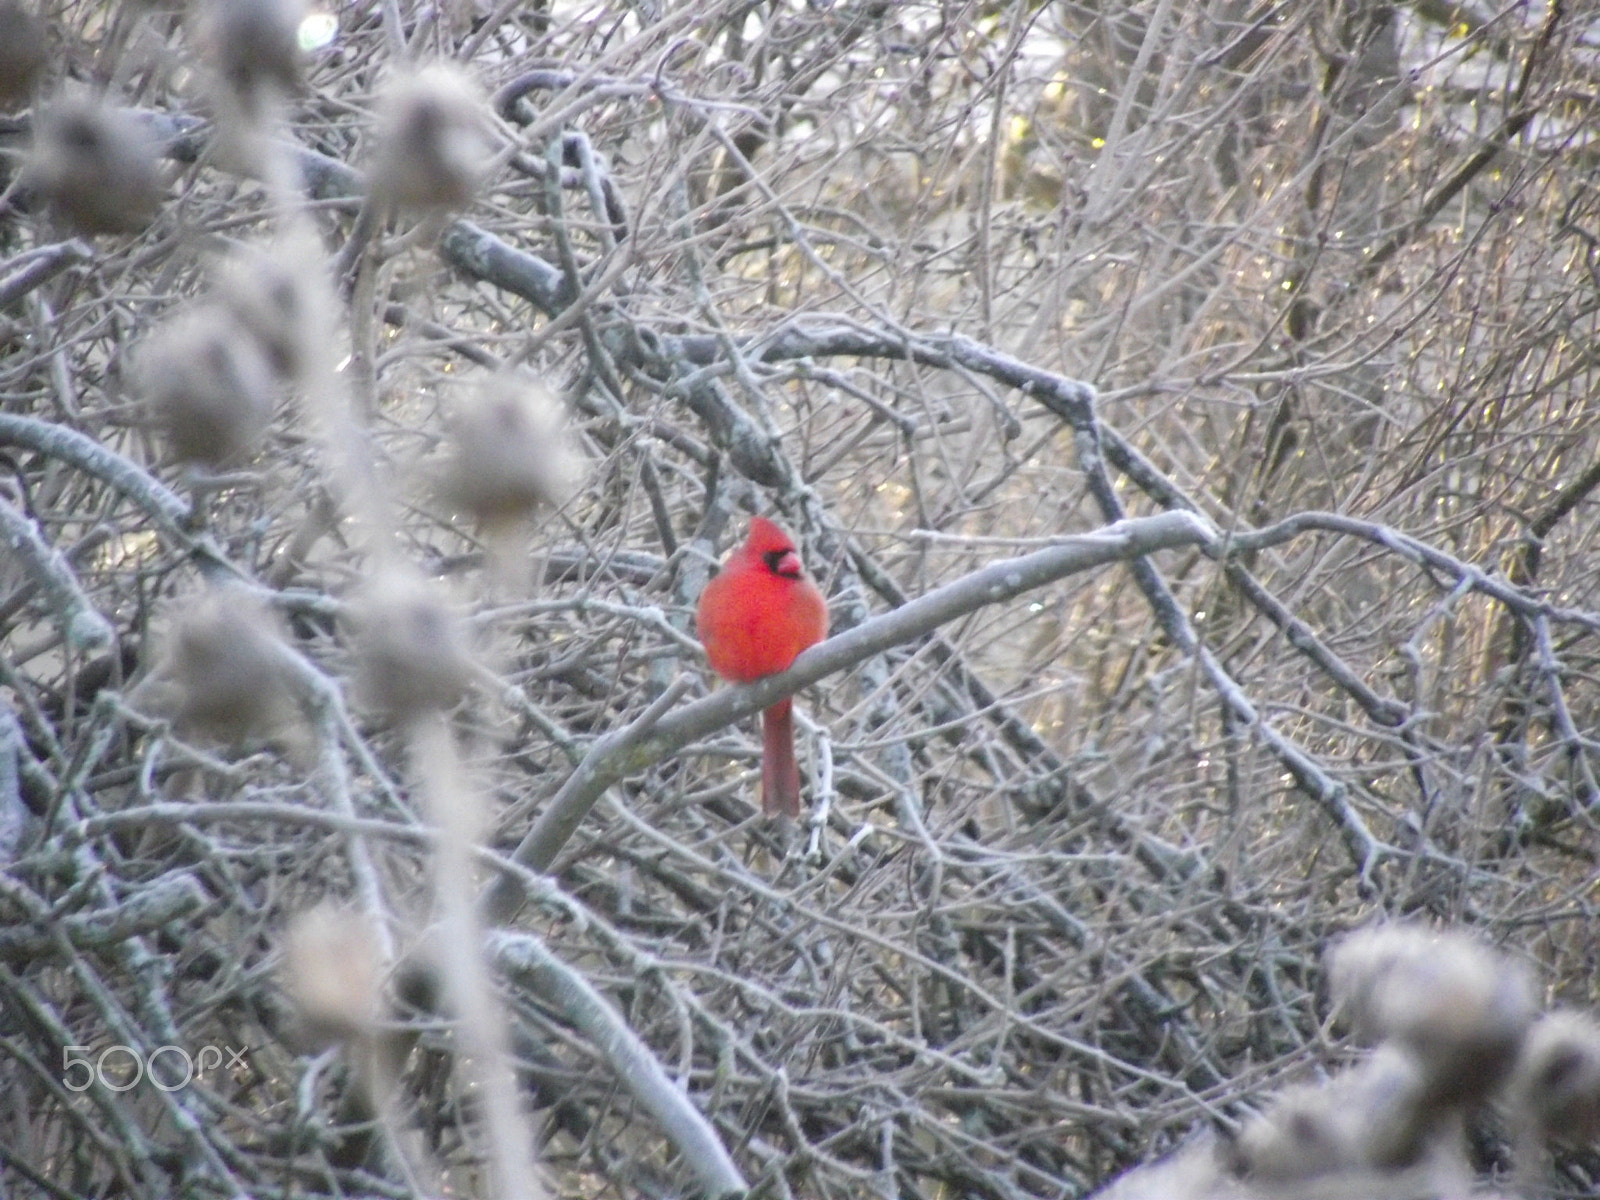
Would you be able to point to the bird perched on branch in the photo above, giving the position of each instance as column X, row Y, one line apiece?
column 755, row 617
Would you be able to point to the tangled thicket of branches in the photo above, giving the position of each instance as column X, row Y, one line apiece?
column 282, row 643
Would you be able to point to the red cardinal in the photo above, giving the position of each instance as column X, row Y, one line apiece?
column 755, row 617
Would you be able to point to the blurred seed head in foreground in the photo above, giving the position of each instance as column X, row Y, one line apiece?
column 23, row 52
column 431, row 146
column 332, row 973
column 1375, row 1117
column 412, row 655
column 1555, row 1091
column 1461, row 1008
column 208, row 385
column 96, row 166
column 1304, row 1134
column 275, row 294
column 510, row 451
column 253, row 45
column 223, row 670
column 1451, row 1019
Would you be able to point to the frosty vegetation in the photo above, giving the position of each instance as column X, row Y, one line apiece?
column 1187, row 409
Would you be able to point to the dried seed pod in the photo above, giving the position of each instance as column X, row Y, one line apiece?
column 1376, row 1116
column 1458, row 1006
column 411, row 651
column 432, row 146
column 1555, row 1091
column 332, row 973
column 224, row 668
column 509, row 451
column 209, row 387
column 96, row 166
column 274, row 295
column 1401, row 1122
column 1303, row 1135
column 253, row 44
column 23, row 52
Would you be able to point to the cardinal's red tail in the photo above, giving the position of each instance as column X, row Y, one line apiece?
column 780, row 774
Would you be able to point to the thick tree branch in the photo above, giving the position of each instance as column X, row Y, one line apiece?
column 526, row 960
column 627, row 752
column 81, row 624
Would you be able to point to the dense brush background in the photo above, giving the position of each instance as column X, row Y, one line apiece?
column 1067, row 901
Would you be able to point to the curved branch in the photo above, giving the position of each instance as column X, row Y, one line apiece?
column 57, row 441
column 81, row 623
column 39, row 266
column 525, row 959
column 1418, row 552
column 626, row 752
